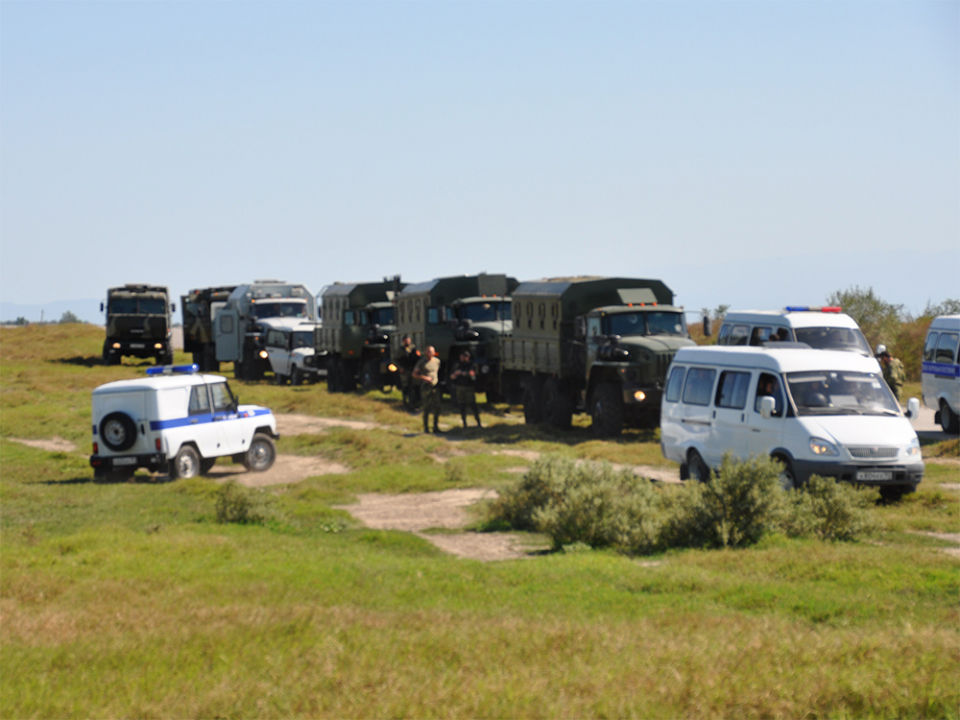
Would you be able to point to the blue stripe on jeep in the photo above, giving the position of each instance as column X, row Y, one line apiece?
column 205, row 418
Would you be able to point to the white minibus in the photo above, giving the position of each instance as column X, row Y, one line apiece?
column 941, row 371
column 822, row 328
column 826, row 412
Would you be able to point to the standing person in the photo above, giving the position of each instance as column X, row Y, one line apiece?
column 464, row 377
column 427, row 373
column 893, row 372
column 406, row 361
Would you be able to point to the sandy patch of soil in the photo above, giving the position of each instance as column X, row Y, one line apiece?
column 291, row 424
column 947, row 537
column 658, row 474
column 54, row 444
column 418, row 512
column 286, row 470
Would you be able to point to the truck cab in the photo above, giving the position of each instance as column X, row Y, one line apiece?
column 138, row 323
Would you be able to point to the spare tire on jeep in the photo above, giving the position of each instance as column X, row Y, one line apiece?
column 118, row 431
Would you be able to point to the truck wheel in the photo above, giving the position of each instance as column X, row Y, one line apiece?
column 370, row 376
column 333, row 375
column 532, row 406
column 208, row 362
column 296, row 376
column 279, row 379
column 186, row 464
column 949, row 420
column 698, row 468
column 606, row 411
column 261, row 454
column 348, row 376
column 557, row 405
column 238, row 370
column 118, row 431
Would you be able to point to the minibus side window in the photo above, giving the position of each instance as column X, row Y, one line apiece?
column 724, row 337
column 930, row 349
column 732, row 390
column 769, row 385
column 947, row 348
column 760, row 335
column 696, row 391
column 674, row 384
column 739, row 335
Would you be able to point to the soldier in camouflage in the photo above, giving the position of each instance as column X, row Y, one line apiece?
column 893, row 372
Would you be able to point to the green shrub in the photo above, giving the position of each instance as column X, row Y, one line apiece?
column 236, row 504
column 830, row 510
column 742, row 502
column 543, row 484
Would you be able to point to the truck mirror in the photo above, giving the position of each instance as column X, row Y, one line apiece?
column 173, row 307
column 767, row 406
column 101, row 307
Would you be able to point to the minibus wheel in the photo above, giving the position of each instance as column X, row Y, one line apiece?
column 698, row 468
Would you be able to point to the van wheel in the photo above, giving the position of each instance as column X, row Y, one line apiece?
column 949, row 420
column 892, row 493
column 788, row 478
column 698, row 468
column 606, row 410
column 118, row 431
column 261, row 454
column 186, row 464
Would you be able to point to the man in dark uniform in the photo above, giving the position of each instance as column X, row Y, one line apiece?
column 464, row 377
column 406, row 361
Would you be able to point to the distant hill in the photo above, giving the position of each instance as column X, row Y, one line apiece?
column 85, row 310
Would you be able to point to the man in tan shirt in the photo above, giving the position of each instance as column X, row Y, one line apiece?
column 427, row 373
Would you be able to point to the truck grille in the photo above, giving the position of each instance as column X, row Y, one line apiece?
column 874, row 453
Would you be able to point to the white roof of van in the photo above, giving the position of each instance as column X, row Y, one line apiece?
column 778, row 360
column 946, row 322
column 795, row 319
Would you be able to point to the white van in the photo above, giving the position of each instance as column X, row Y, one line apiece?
column 827, row 413
column 941, row 371
column 822, row 328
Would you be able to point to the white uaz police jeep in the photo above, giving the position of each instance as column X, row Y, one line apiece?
column 179, row 421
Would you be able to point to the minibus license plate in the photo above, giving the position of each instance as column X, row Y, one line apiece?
column 125, row 461
column 874, row 475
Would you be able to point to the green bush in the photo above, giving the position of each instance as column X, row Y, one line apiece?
column 543, row 484
column 741, row 503
column 830, row 510
column 236, row 504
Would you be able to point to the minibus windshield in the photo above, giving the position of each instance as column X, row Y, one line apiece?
column 834, row 338
column 841, row 393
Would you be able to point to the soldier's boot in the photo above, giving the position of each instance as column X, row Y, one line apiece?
column 476, row 414
column 436, row 424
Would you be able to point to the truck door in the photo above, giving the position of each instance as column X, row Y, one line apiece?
column 226, row 329
column 593, row 339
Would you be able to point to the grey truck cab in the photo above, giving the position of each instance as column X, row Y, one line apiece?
column 176, row 420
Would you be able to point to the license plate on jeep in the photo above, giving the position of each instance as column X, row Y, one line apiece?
column 125, row 461
column 137, row 346
column 874, row 475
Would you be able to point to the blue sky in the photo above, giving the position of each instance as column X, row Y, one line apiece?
column 749, row 154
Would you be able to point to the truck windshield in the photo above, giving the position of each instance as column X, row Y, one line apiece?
column 138, row 306
column 378, row 316
column 833, row 338
column 485, row 311
column 302, row 339
column 290, row 308
column 645, row 323
column 841, row 393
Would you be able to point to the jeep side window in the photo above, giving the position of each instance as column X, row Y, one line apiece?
column 199, row 400
column 732, row 390
column 696, row 391
column 222, row 397
column 769, row 386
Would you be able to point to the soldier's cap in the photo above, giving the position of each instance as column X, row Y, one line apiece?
column 406, row 336
column 466, row 353
column 884, row 354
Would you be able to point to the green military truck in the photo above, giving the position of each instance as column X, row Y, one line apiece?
column 454, row 313
column 597, row 345
column 199, row 308
column 138, row 323
column 358, row 319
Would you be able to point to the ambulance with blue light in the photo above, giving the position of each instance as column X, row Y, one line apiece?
column 819, row 327
column 177, row 420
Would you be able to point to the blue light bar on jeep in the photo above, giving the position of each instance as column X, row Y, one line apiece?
column 170, row 369
column 810, row 308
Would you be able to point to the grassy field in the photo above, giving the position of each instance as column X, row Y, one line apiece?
column 130, row 600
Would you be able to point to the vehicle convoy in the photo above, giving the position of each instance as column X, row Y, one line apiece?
column 827, row 413
column 599, row 345
column 236, row 331
column 138, row 323
column 176, row 421
column 199, row 309
column 822, row 328
column 358, row 321
column 290, row 351
column 940, row 376
column 465, row 312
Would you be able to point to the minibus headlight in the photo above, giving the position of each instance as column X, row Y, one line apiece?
column 913, row 448
column 818, row 446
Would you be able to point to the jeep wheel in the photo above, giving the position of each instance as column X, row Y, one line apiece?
column 557, row 405
column 606, row 411
column 118, row 431
column 296, row 376
column 261, row 454
column 186, row 464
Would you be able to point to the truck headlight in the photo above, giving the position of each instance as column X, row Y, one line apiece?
column 819, row 446
column 263, row 354
column 639, row 396
column 391, row 367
